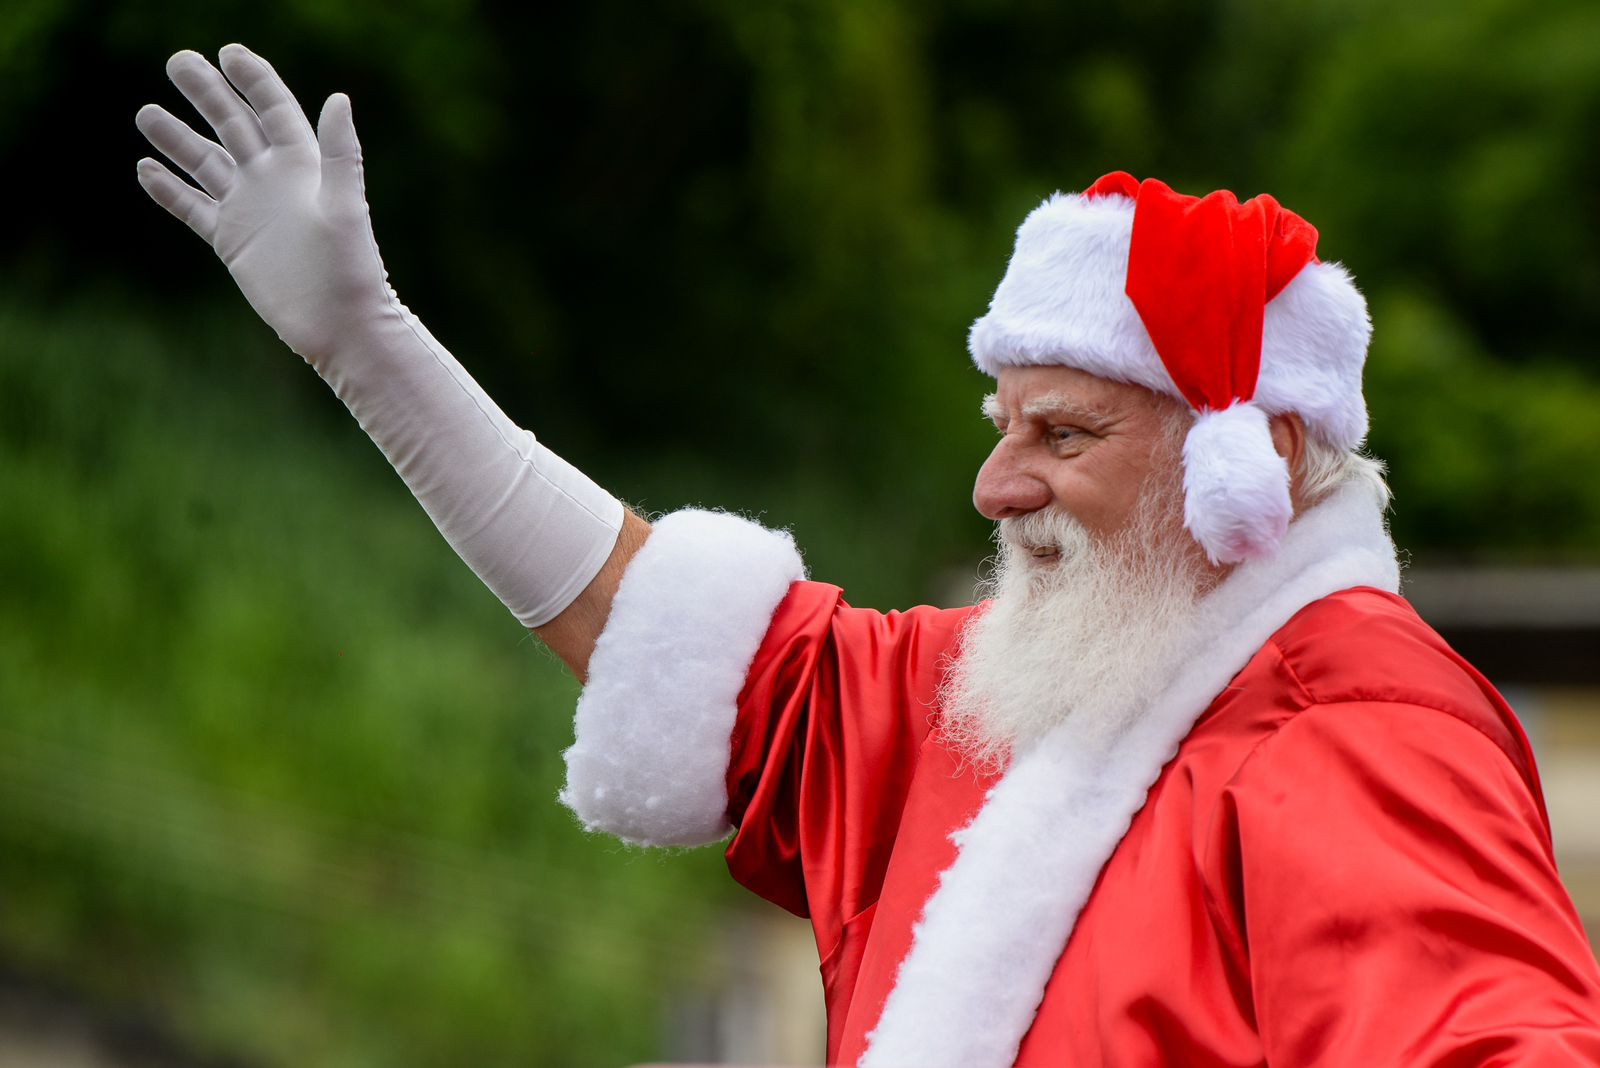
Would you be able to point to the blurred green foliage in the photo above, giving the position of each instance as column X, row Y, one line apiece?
column 273, row 765
column 299, row 802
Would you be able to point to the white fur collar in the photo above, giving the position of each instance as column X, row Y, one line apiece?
column 990, row 935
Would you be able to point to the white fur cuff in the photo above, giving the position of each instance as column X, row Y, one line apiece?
column 655, row 720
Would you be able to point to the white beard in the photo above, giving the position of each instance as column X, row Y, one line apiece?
column 1092, row 636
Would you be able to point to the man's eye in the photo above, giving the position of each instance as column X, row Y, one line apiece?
column 1061, row 435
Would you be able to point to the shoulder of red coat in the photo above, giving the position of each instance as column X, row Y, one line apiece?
column 1366, row 645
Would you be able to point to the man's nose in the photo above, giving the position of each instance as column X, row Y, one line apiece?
column 1005, row 488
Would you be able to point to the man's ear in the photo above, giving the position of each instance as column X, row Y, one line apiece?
column 1289, row 438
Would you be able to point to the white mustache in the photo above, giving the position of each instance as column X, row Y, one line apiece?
column 1050, row 529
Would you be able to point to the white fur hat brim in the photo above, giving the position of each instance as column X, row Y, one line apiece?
column 1063, row 302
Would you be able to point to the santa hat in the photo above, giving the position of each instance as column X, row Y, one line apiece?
column 1222, row 304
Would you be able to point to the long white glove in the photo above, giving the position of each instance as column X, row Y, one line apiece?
column 285, row 208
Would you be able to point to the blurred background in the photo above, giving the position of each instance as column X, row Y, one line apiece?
column 278, row 777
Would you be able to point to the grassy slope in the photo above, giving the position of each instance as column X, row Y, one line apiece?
column 272, row 763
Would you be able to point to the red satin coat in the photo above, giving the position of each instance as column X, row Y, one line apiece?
column 1347, row 863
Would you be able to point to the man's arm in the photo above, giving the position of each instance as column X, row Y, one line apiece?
column 283, row 205
column 572, row 634
column 1386, row 872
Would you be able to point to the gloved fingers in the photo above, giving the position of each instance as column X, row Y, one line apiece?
column 276, row 107
column 203, row 160
column 341, row 152
column 179, row 197
column 237, row 126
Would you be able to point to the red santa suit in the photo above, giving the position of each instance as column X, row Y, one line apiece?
column 1324, row 844
column 1321, row 843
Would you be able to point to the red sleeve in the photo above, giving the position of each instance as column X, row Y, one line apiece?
column 830, row 721
column 1389, row 876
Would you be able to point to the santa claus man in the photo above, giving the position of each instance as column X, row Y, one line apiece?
column 1193, row 786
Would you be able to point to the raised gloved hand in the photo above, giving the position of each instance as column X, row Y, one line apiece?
column 284, row 207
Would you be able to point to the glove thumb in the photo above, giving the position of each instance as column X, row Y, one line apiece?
column 341, row 152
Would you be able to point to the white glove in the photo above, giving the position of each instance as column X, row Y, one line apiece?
column 285, row 209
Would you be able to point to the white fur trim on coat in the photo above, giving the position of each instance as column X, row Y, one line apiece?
column 1063, row 301
column 990, row 935
column 655, row 721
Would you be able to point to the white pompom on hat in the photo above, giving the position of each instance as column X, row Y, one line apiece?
column 1221, row 304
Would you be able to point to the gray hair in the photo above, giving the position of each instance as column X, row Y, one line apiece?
column 1324, row 468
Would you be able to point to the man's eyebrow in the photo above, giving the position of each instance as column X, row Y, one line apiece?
column 1053, row 403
